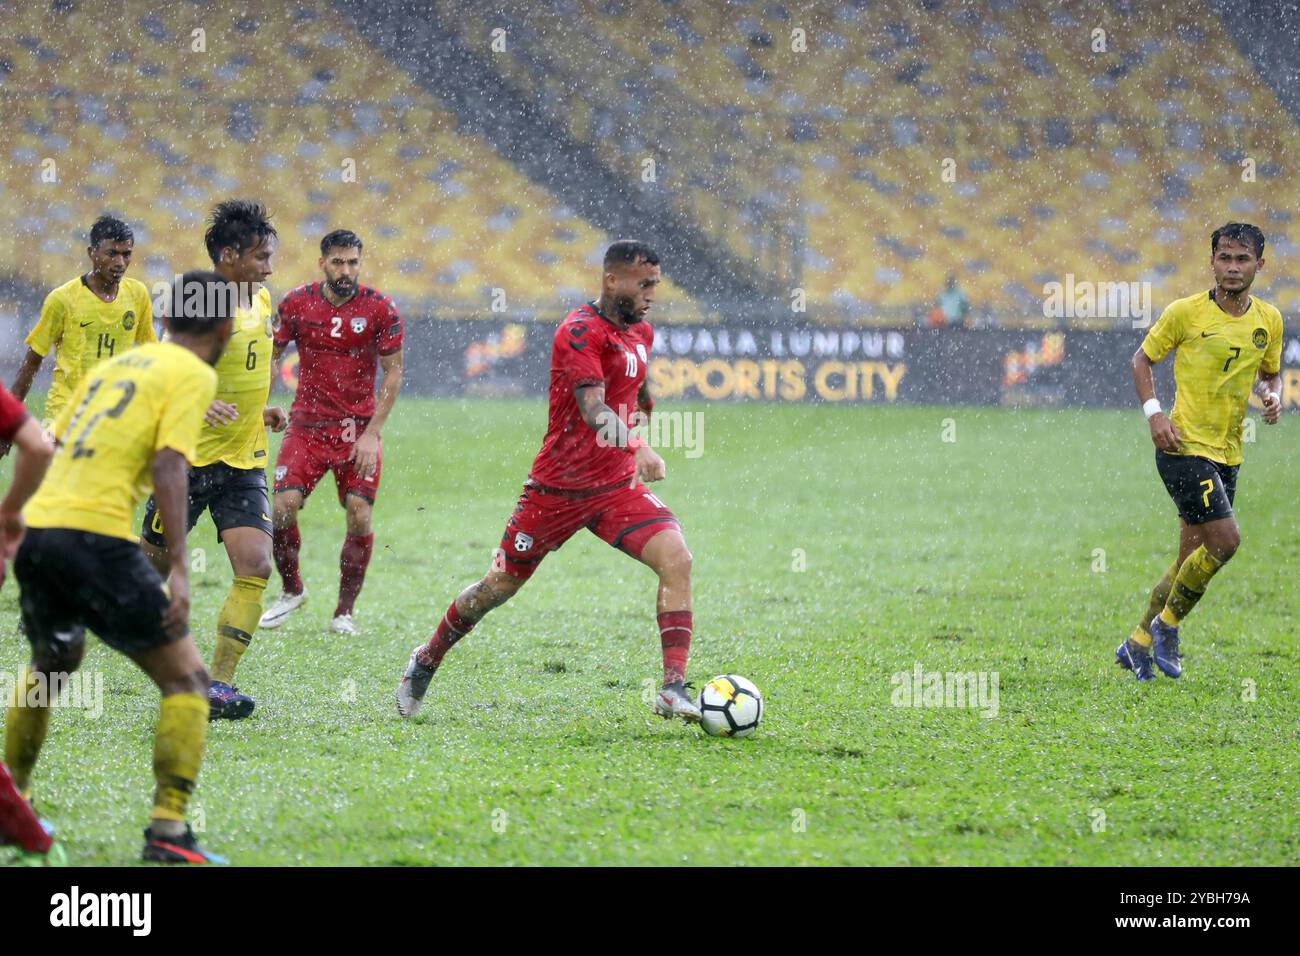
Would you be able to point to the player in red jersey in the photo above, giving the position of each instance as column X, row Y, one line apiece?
column 18, row 823
column 588, row 475
column 342, row 330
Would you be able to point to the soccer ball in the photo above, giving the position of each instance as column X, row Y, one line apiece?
column 730, row 707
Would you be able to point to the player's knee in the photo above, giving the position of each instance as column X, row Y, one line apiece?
column 63, row 661
column 1225, row 543
column 676, row 564
column 253, row 566
column 490, row 592
column 358, row 512
column 285, row 509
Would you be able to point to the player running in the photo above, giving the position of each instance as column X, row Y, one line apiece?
column 18, row 822
column 88, row 319
column 1227, row 341
column 342, row 330
column 134, row 419
column 588, row 475
column 229, row 475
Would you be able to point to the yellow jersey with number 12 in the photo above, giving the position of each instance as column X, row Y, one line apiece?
column 123, row 412
column 1215, row 368
column 243, row 379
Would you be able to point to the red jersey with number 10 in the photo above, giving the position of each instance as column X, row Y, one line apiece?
column 338, row 350
column 589, row 349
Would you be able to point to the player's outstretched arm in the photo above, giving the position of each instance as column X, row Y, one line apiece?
column 1163, row 433
column 34, row 454
column 170, row 488
column 1269, row 389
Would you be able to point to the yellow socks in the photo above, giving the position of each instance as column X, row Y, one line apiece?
column 236, row 624
column 25, row 728
column 178, row 744
column 1159, row 595
column 1193, row 578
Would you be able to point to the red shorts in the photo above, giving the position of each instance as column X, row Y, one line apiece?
column 544, row 519
column 307, row 453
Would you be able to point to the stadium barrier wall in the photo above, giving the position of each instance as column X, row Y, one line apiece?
column 737, row 362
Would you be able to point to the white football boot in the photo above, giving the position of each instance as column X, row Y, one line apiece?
column 673, row 701
column 343, row 625
column 413, row 685
column 284, row 605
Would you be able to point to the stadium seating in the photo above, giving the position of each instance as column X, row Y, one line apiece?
column 1113, row 164
column 828, row 161
column 283, row 104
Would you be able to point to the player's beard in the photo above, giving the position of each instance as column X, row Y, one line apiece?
column 342, row 287
column 627, row 312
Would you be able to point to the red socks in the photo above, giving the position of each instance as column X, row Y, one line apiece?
column 18, row 824
column 285, row 545
column 451, row 629
column 353, row 561
column 675, row 637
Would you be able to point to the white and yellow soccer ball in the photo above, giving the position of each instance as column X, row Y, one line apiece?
column 730, row 706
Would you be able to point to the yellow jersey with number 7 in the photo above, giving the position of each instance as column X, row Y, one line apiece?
column 244, row 380
column 1215, row 367
column 124, row 411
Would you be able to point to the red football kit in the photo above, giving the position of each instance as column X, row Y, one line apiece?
column 338, row 353
column 578, row 480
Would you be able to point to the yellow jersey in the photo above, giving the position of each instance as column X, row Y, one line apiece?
column 243, row 379
column 1215, row 368
column 123, row 412
column 83, row 330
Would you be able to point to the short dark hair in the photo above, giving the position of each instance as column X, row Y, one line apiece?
column 110, row 229
column 1242, row 232
column 630, row 252
column 340, row 239
column 200, row 302
column 238, row 223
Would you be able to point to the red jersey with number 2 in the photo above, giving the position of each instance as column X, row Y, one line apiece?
column 338, row 350
column 589, row 349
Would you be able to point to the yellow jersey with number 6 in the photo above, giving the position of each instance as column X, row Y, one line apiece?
column 124, row 412
column 1215, row 367
column 244, row 380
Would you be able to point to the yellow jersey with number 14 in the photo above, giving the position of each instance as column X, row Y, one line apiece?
column 82, row 330
column 244, row 380
column 123, row 412
column 1215, row 368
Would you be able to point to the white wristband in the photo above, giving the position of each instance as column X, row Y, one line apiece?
column 1151, row 407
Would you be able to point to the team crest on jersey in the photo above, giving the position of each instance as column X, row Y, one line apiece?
column 358, row 324
column 640, row 351
column 128, row 320
column 523, row 541
column 1260, row 338
column 280, row 472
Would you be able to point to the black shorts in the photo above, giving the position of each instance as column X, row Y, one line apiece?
column 236, row 497
column 1202, row 489
column 73, row 580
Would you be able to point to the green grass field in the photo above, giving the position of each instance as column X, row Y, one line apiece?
column 536, row 745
